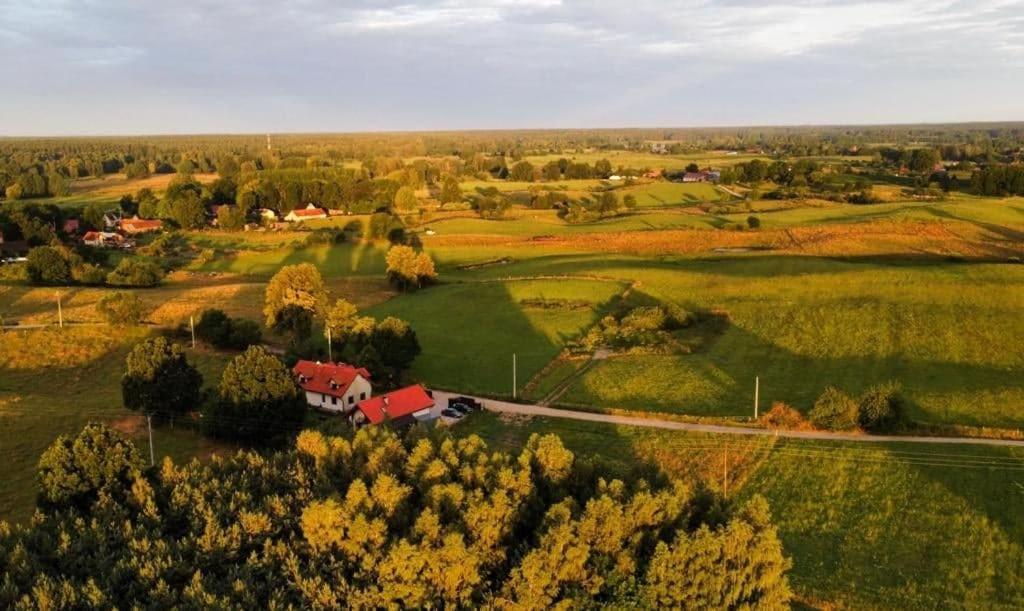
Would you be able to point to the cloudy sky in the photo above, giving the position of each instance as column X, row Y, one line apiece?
column 116, row 67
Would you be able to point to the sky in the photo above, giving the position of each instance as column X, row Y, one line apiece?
column 232, row 66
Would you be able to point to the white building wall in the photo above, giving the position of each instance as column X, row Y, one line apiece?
column 359, row 390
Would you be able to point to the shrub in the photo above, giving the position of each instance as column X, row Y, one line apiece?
column 87, row 273
column 881, row 408
column 121, row 308
column 782, row 416
column 835, row 411
column 135, row 272
column 753, row 222
column 159, row 381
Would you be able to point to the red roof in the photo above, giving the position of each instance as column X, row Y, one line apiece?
column 331, row 379
column 309, row 212
column 90, row 236
column 134, row 225
column 396, row 404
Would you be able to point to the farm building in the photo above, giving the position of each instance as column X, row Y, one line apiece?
column 136, row 225
column 400, row 407
column 334, row 387
column 103, row 239
column 310, row 212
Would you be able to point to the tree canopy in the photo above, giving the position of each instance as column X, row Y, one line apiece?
column 159, row 381
column 294, row 297
column 375, row 521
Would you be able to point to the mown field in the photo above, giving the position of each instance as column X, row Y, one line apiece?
column 866, row 525
column 54, row 381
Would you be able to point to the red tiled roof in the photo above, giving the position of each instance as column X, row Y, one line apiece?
column 309, row 212
column 396, row 404
column 318, row 377
column 90, row 236
column 140, row 224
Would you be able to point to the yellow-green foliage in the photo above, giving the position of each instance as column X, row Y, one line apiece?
column 378, row 523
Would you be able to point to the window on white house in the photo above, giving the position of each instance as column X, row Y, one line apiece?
column 334, row 400
column 362, row 396
column 351, row 399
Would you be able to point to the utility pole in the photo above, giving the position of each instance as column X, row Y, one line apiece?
column 514, row 375
column 330, row 352
column 149, row 425
column 60, row 313
column 757, row 394
column 725, row 472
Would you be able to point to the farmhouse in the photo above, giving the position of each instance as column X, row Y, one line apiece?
column 305, row 214
column 400, row 407
column 103, row 239
column 136, row 225
column 334, row 387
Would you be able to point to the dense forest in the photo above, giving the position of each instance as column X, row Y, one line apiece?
column 378, row 521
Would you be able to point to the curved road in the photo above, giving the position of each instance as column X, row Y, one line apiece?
column 506, row 407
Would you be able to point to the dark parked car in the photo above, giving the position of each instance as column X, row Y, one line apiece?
column 462, row 408
column 450, row 413
column 468, row 402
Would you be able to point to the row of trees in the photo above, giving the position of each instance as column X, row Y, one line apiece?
column 60, row 265
column 377, row 521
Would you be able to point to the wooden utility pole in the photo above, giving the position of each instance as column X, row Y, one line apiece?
column 757, row 394
column 725, row 472
column 330, row 352
column 60, row 313
column 513, row 375
column 192, row 326
column 149, row 425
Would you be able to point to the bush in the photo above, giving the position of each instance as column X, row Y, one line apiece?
column 121, row 308
column 87, row 273
column 753, row 222
column 217, row 328
column 835, row 411
column 135, row 272
column 782, row 416
column 881, row 409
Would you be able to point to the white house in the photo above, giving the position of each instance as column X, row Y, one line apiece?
column 305, row 214
column 334, row 387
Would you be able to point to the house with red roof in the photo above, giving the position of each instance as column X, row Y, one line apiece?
column 308, row 213
column 335, row 387
column 399, row 407
column 137, row 225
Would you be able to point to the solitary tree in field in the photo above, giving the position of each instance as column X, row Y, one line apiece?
column 159, row 381
column 295, row 296
column 408, row 269
column 258, row 400
column 629, row 201
column 522, row 171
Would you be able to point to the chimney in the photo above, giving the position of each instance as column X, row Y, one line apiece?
column 384, row 408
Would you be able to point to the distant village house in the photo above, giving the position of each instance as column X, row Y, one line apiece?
column 308, row 213
column 136, row 225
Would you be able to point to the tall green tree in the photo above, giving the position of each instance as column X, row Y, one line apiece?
column 258, row 401
column 295, row 296
column 159, row 381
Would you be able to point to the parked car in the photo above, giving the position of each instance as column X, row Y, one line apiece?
column 450, row 413
column 462, row 408
column 468, row 402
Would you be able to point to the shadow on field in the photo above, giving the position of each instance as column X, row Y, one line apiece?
column 992, row 482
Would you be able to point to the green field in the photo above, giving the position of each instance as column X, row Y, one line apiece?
column 469, row 332
column 661, row 194
column 866, row 525
column 54, row 382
